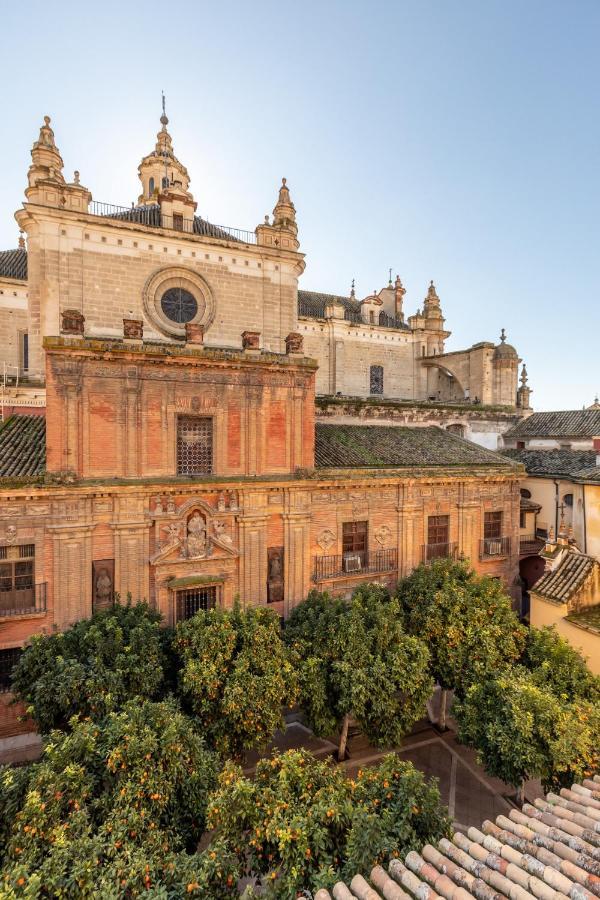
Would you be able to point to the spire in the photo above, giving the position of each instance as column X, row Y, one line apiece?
column 431, row 307
column 399, row 292
column 503, row 336
column 352, row 291
column 46, row 161
column 524, row 392
column 163, row 119
column 284, row 214
column 160, row 170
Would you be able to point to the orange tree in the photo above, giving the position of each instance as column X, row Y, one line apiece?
column 114, row 809
column 93, row 667
column 465, row 619
column 355, row 660
column 235, row 675
column 556, row 665
column 301, row 824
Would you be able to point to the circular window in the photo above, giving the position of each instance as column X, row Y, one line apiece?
column 179, row 305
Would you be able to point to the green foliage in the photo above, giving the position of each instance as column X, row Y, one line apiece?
column 93, row 667
column 556, row 665
column 113, row 810
column 521, row 730
column 236, row 674
column 355, row 659
column 302, row 824
column 466, row 621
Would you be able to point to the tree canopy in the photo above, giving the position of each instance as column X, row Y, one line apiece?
column 92, row 668
column 303, row 824
column 354, row 659
column 558, row 666
column 115, row 808
column 235, row 675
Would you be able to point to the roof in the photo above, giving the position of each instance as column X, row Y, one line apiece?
column 528, row 505
column 568, row 423
column 577, row 464
column 381, row 445
column 549, row 849
column 22, row 446
column 313, row 303
column 13, row 264
column 152, row 216
column 565, row 580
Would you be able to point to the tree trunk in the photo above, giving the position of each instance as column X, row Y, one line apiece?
column 520, row 796
column 343, row 739
column 443, row 702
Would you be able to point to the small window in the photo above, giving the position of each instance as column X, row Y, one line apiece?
column 525, row 494
column 376, row 380
column 177, row 222
column 165, row 183
column 194, row 445
column 24, row 351
column 520, row 445
column 568, row 500
column 8, row 660
column 522, row 519
column 492, row 525
column 151, row 187
column 192, row 600
column 371, row 317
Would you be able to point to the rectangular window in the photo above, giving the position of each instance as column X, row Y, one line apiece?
column 355, row 544
column 376, row 380
column 492, row 526
column 522, row 519
column 8, row 660
column 24, row 350
column 177, row 222
column 438, row 529
column 17, row 568
column 192, row 600
column 194, row 445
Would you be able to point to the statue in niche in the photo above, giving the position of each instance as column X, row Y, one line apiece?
column 103, row 587
column 196, row 544
column 103, row 583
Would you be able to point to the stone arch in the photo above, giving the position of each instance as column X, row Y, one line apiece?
column 446, row 386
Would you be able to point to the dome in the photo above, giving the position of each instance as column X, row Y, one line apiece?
column 504, row 350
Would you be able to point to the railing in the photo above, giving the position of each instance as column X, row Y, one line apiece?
column 359, row 563
column 530, row 544
column 23, row 601
column 439, row 551
column 490, row 547
column 152, row 217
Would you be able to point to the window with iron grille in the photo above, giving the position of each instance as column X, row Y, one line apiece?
column 376, row 380
column 192, row 600
column 17, row 568
column 438, row 529
column 492, row 525
column 8, row 660
column 194, row 445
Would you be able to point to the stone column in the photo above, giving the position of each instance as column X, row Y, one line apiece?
column 297, row 559
column 72, row 573
column 253, row 559
column 468, row 543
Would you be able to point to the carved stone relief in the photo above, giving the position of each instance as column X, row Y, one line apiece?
column 10, row 534
column 383, row 535
column 326, row 539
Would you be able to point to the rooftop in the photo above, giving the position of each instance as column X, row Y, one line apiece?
column 22, row 446
column 565, row 580
column 312, row 304
column 566, row 423
column 13, row 264
column 549, row 849
column 380, row 445
column 577, row 464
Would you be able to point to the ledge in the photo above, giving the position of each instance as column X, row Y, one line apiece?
column 193, row 580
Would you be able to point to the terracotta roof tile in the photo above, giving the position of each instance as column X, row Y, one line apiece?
column 562, row 582
column 380, row 445
column 565, row 423
column 548, row 851
column 13, row 264
column 578, row 464
column 22, row 446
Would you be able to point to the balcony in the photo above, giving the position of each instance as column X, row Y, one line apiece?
column 349, row 564
column 23, row 601
column 447, row 550
column 151, row 216
column 530, row 544
column 492, row 547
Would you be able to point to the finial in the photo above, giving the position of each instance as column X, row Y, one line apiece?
column 352, row 293
column 75, row 177
column 267, row 219
column 524, row 375
column 163, row 119
column 390, row 277
column 21, row 240
column 284, row 181
column 47, row 121
column 503, row 336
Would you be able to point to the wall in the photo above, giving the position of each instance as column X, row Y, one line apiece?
column 13, row 319
column 544, row 612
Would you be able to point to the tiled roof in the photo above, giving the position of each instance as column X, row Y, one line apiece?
column 381, row 445
column 579, row 464
column 13, row 264
column 566, row 423
column 313, row 303
column 549, row 850
column 22, row 446
column 562, row 582
column 528, row 505
column 152, row 216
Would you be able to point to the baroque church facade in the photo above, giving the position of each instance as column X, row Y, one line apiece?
column 185, row 423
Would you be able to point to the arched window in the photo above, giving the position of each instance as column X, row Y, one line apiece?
column 151, row 187
column 165, row 183
column 376, row 380
column 525, row 494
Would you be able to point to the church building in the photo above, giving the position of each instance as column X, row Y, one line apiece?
column 161, row 432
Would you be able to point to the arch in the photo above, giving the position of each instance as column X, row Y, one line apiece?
column 456, row 428
column 526, row 494
column 151, row 187
column 177, row 277
column 448, row 385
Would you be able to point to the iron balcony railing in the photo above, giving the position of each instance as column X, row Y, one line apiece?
column 359, row 563
column 152, row 217
column 24, row 601
column 529, row 544
column 497, row 546
column 447, row 550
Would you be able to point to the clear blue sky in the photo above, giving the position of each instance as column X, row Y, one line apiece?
column 457, row 141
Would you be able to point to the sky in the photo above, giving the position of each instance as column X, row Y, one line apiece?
column 453, row 141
